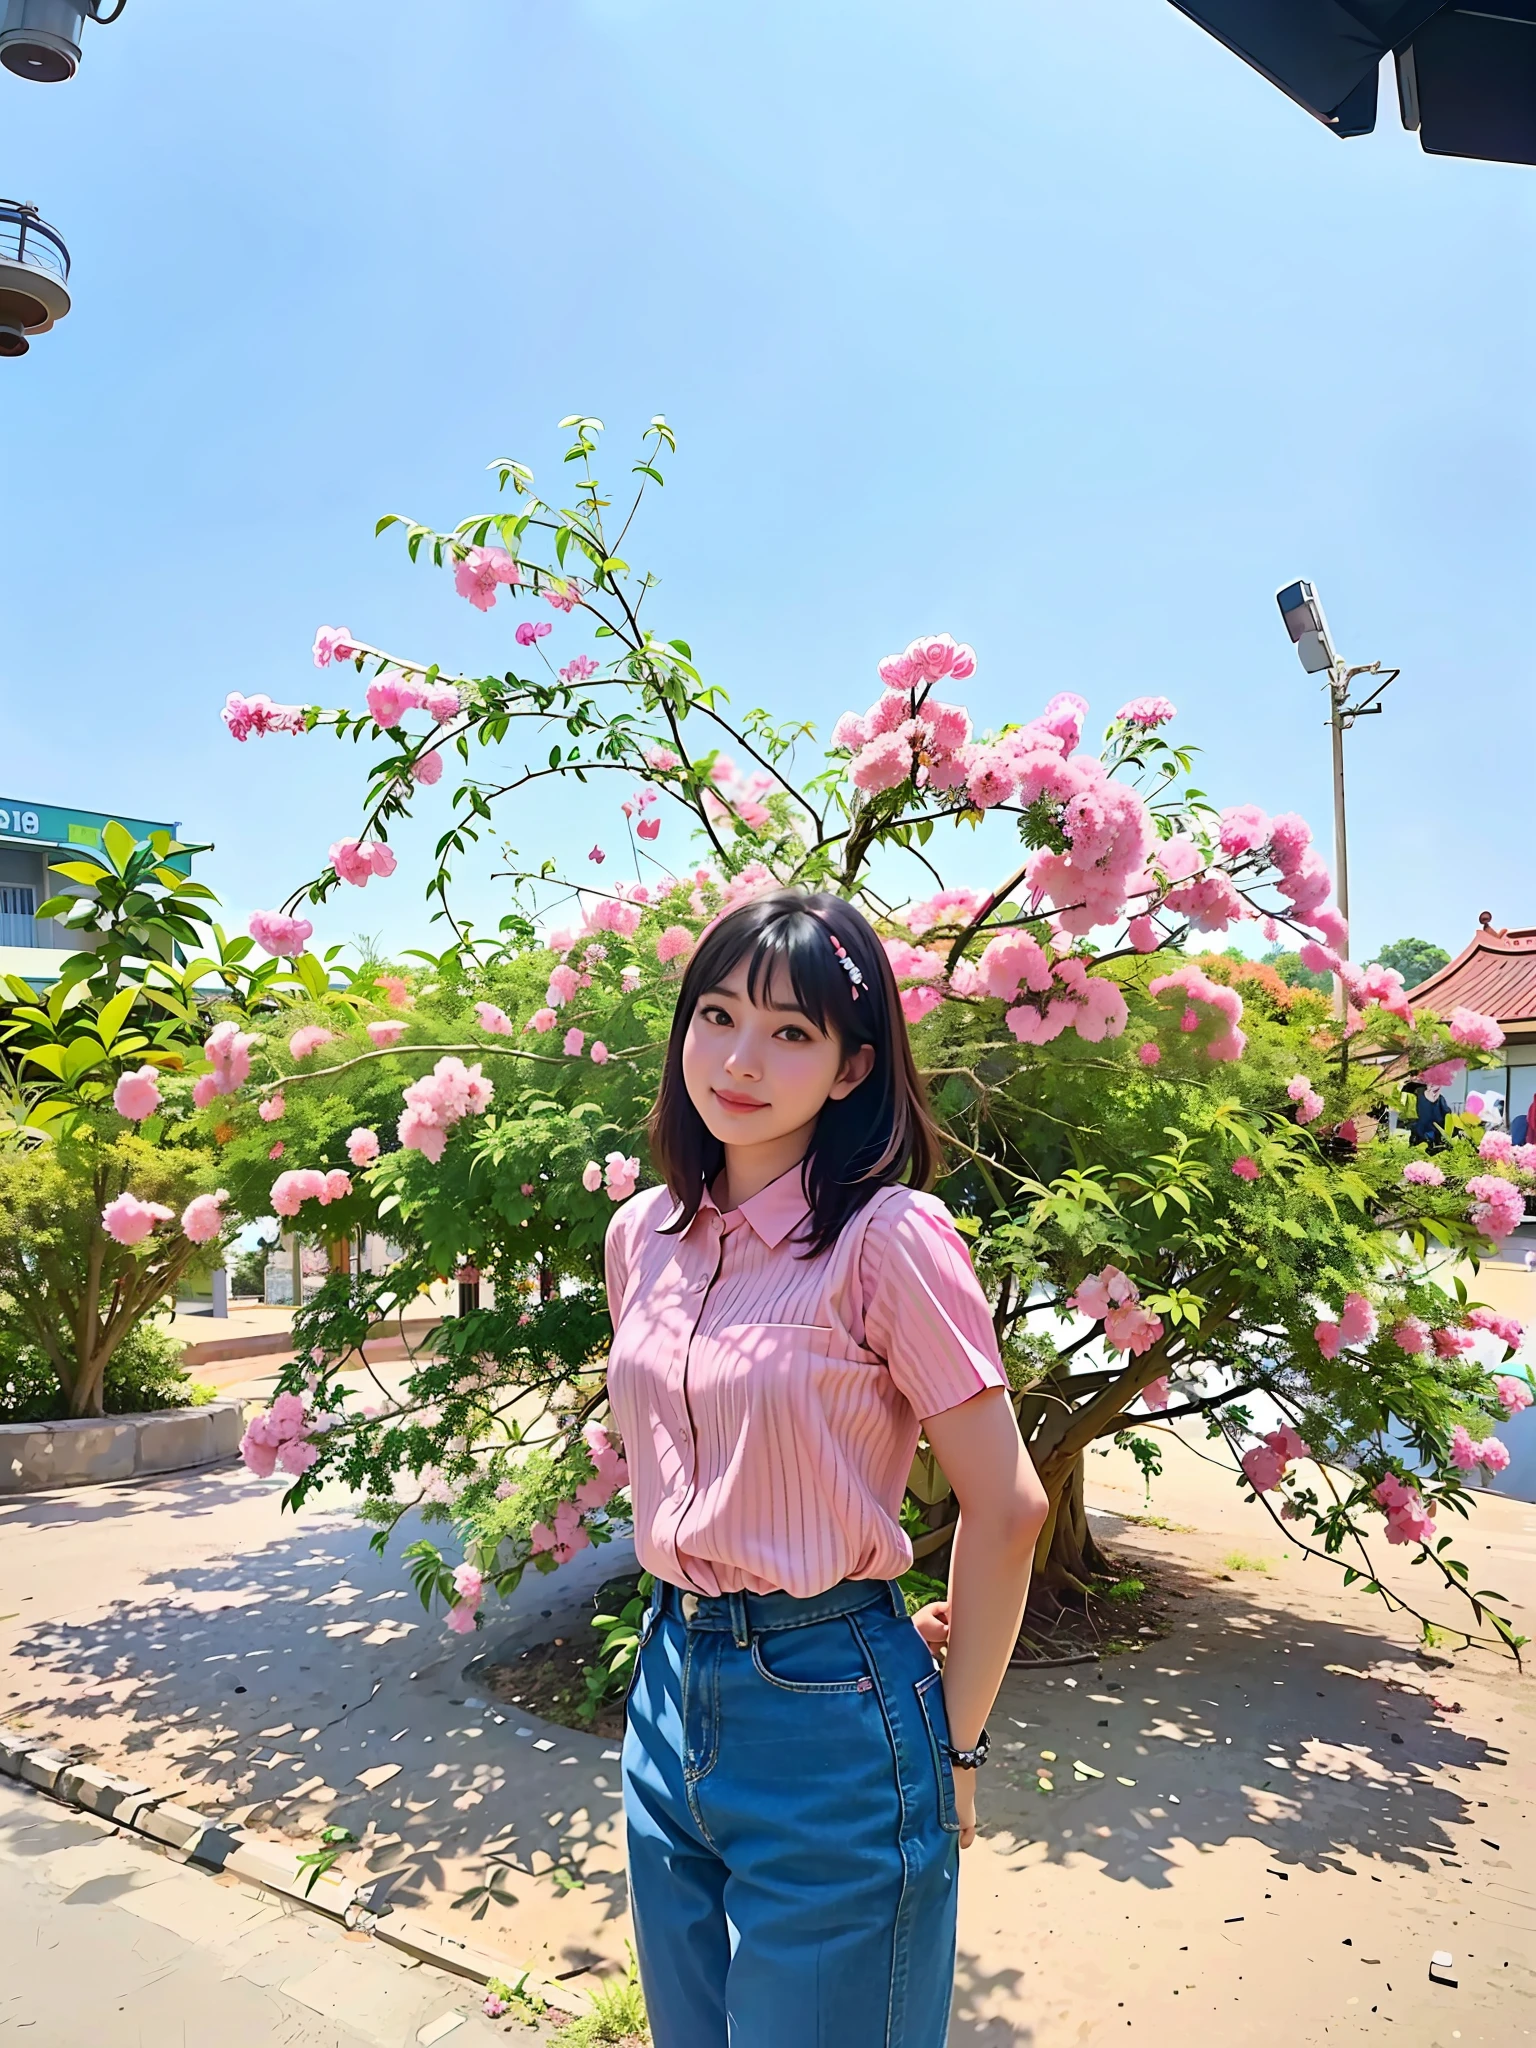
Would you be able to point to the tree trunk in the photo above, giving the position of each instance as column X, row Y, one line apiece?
column 1067, row 1558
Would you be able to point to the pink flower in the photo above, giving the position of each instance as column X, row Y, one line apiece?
column 989, row 778
column 129, row 1221
column 1327, row 1336
column 200, row 1220
column 917, row 1002
column 479, row 573
column 1498, row 1207
column 1472, row 1028
column 137, row 1095
column 629, row 980
column 1262, row 1468
column 1132, row 1328
column 428, row 768
column 1451, row 1343
column 599, row 1054
column 1408, row 1519
column 441, row 702
column 356, row 861
column 1513, row 1394
column 462, row 1618
column 620, row 1176
column 497, row 1022
column 338, row 1185
column 395, row 990
column 1411, row 1335
column 662, row 760
column 436, row 1102
column 1146, row 712
column 1245, row 1168
column 391, row 697
column 469, row 1584
column 1101, row 1291
column 591, row 1176
column 386, row 1031
column 1492, row 1455
column 272, row 1109
column 1310, row 1107
column 649, row 827
column 1244, row 829
column 578, row 669
column 1357, row 1320
column 884, row 764
column 1423, row 1173
column 531, row 630
column 1149, row 1053
column 276, row 1151
column 363, row 1146
column 1498, row 1147
column 1156, row 1395
column 564, row 981
column 280, row 935
column 1463, row 1450
column 573, row 1042
column 291, row 1190
column 597, row 854
column 333, row 643
column 1143, row 934
column 564, row 597
column 308, row 1039
column 259, row 715
column 675, row 941
column 542, row 1020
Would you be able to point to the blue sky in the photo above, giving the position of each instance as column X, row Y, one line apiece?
column 1048, row 325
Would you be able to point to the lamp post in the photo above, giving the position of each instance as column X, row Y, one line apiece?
column 1302, row 611
column 34, row 277
column 40, row 39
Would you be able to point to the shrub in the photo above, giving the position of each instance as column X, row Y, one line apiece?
column 145, row 1374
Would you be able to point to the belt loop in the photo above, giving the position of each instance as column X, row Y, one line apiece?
column 898, row 1599
column 740, row 1632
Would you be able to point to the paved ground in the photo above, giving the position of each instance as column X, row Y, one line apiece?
column 108, row 1944
column 1262, row 1859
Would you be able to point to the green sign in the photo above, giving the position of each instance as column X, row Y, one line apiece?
column 49, row 825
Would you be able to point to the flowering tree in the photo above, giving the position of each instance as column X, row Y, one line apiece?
column 1168, row 1167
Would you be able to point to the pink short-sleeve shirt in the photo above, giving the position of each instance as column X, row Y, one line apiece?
column 769, row 1403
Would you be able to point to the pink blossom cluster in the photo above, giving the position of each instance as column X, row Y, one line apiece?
column 673, row 943
column 228, row 1051
column 1423, row 1173
column 357, row 861
column 578, row 669
column 949, row 908
column 279, row 1437
column 1513, row 1394
column 1197, row 987
column 1498, row 1207
column 137, row 1095
column 1451, row 1343
column 1442, row 1074
column 334, row 643
column 1114, row 1299
column 1409, row 1520
column 435, row 1103
column 1147, row 712
column 754, row 880
column 734, row 797
column 1265, row 1466
column 363, row 1146
column 1304, row 878
column 291, row 1190
column 386, row 1031
column 493, row 1020
column 619, row 1176
column 564, row 593
column 308, row 1039
column 273, row 1109
column 481, row 572
column 1508, row 1329
column 610, row 1472
column 1356, row 1325
column 619, row 913
column 259, row 715
column 1466, row 1455
column 128, row 1221
column 468, row 1597
column 1193, row 888
column 279, row 934
column 1091, row 1005
column 1472, row 1028
column 1309, row 1104
column 201, row 1221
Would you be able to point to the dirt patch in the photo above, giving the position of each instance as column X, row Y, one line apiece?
column 551, row 1679
column 1129, row 1610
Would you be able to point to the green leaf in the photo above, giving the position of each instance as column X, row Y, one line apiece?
column 114, row 1014
column 120, row 843
column 88, row 872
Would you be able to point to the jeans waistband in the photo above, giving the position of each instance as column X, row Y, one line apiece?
column 744, row 1615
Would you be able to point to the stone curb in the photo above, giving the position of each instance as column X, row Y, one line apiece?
column 41, row 1457
column 121, row 1802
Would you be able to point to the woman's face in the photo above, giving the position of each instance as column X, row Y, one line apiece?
column 758, row 1073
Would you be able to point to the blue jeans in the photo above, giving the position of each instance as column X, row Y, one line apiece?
column 793, row 1842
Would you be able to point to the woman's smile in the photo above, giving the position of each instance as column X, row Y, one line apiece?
column 739, row 1104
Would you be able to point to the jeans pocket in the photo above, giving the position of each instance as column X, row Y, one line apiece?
column 930, row 1697
column 825, row 1657
column 648, row 1625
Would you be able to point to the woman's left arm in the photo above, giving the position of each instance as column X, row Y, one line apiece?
column 1002, row 1511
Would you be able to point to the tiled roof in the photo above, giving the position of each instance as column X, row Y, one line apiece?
column 1495, row 974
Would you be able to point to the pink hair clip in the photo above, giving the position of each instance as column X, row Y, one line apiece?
column 850, row 968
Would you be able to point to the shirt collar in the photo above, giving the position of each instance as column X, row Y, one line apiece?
column 774, row 1211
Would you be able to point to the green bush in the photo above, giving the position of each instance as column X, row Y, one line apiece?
column 145, row 1373
column 617, row 2016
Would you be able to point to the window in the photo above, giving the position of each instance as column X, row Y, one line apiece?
column 17, row 925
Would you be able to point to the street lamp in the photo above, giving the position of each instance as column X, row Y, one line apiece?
column 41, row 38
column 34, row 277
column 1302, row 611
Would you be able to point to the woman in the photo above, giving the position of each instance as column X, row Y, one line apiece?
column 788, row 1310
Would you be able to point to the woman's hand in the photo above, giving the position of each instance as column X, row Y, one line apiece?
column 932, row 1624
column 965, row 1805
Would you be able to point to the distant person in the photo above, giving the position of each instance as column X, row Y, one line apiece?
column 1430, row 1113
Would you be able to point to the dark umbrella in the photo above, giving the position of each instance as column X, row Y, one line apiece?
column 1466, row 74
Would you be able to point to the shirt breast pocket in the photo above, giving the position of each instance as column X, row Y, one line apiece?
column 772, row 1352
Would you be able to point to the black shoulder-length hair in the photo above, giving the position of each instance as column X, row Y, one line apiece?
column 879, row 1134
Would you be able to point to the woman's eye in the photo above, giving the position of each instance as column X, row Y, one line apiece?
column 795, row 1035
column 713, row 1014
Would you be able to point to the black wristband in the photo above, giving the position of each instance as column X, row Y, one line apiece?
column 969, row 1759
